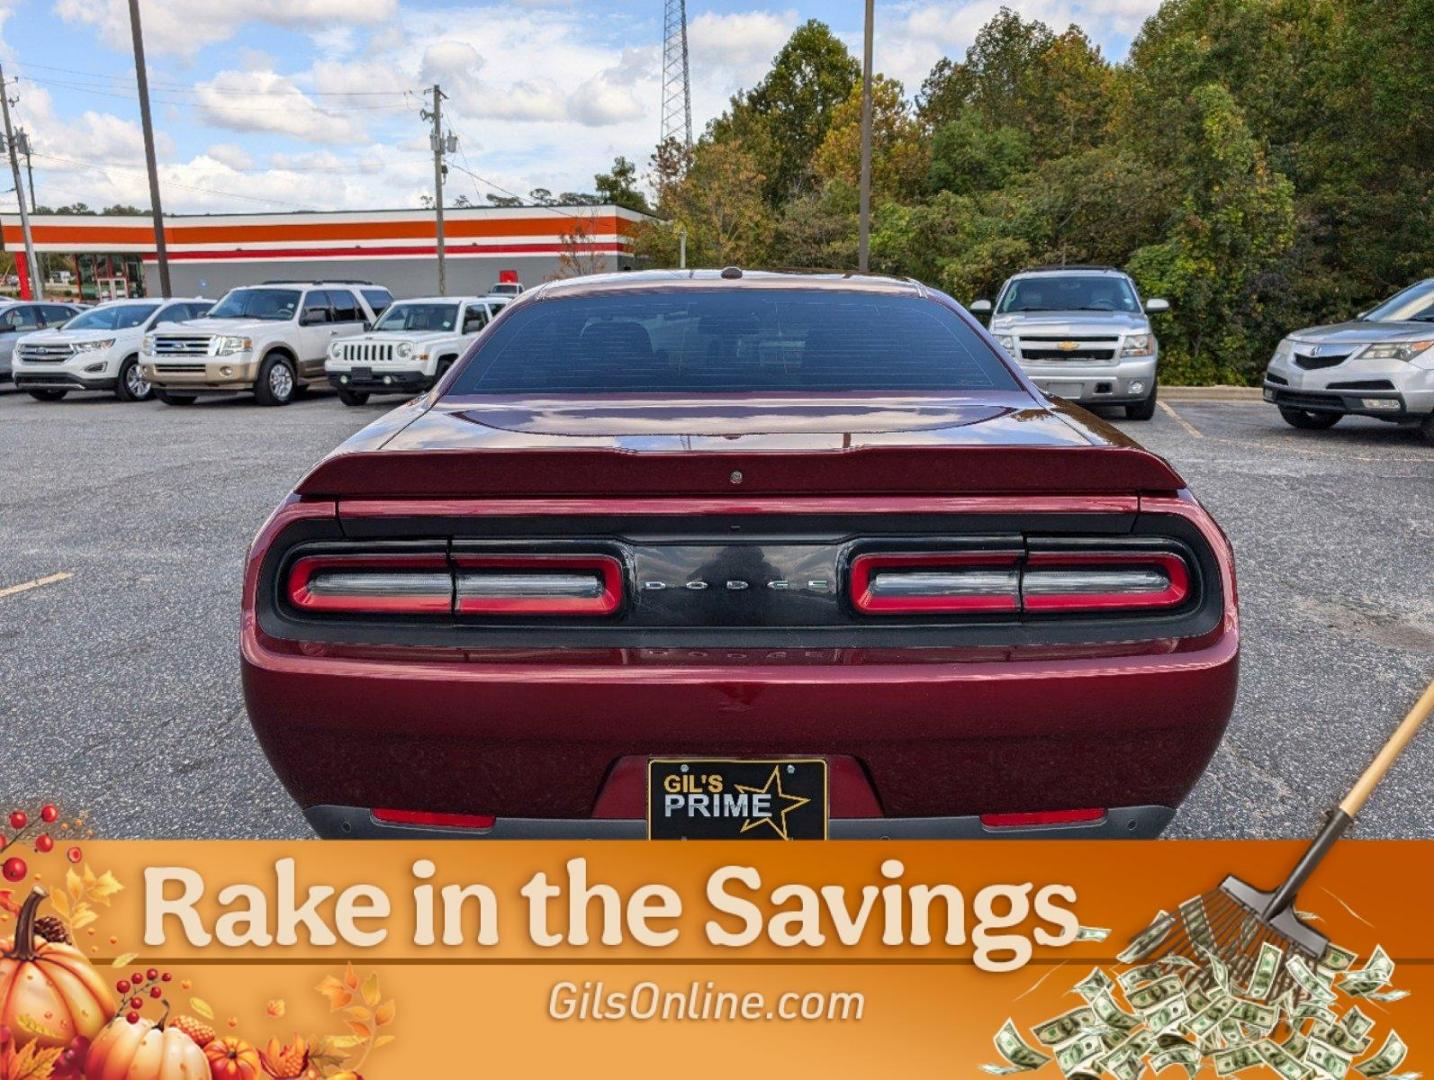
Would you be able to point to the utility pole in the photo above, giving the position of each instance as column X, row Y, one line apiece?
column 161, row 250
column 864, row 226
column 24, row 137
column 36, row 278
column 439, row 144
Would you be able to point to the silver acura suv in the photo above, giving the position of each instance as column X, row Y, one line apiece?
column 1380, row 365
column 1081, row 333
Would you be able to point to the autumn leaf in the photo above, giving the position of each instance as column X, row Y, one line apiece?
column 202, row 1007
column 339, row 1042
column 7, row 902
column 351, row 979
column 337, row 993
column 384, row 1014
column 371, row 993
column 359, row 1013
column 74, row 885
column 32, row 1062
column 103, row 888
column 61, row 903
column 276, row 1008
column 123, row 960
column 383, row 1040
column 363, row 1031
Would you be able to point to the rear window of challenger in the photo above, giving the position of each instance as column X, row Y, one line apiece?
column 732, row 341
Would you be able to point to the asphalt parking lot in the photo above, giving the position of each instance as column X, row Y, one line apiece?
column 119, row 685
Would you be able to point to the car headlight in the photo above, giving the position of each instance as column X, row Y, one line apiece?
column 226, row 346
column 93, row 346
column 333, row 350
column 148, row 344
column 1404, row 350
column 1283, row 351
column 403, row 350
column 1007, row 342
column 1138, row 345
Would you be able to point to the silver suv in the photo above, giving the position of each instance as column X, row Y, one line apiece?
column 1081, row 333
column 1380, row 365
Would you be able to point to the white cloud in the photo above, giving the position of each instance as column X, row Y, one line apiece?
column 740, row 43
column 187, row 26
column 611, row 96
column 267, row 101
column 231, row 154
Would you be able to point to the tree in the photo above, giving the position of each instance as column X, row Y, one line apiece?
column 899, row 157
column 618, row 186
column 719, row 202
column 579, row 255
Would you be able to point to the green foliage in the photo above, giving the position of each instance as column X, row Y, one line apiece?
column 619, row 185
column 1262, row 164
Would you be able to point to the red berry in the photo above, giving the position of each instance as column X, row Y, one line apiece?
column 165, row 977
column 19, row 819
column 137, row 978
column 122, row 986
column 132, row 1017
column 74, row 854
column 136, row 1003
column 15, row 869
column 49, row 813
column 155, row 991
column 152, row 974
column 43, row 844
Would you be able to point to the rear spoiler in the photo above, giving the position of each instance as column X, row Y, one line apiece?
column 585, row 473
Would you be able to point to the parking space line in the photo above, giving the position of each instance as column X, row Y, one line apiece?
column 1190, row 428
column 36, row 583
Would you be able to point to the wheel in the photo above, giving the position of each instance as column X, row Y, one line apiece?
column 175, row 399
column 353, row 397
column 276, row 381
column 443, row 366
column 1426, row 429
column 47, row 395
column 1309, row 421
column 132, row 385
column 1143, row 410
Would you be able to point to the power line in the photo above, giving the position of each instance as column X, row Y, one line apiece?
column 187, row 88
column 200, row 95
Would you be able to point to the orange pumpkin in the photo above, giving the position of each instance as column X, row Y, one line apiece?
column 232, row 1058
column 144, row 1050
column 49, row 993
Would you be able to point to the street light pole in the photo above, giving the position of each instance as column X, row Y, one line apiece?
column 36, row 278
column 864, row 225
column 160, row 248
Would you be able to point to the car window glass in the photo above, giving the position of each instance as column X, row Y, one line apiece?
column 128, row 316
column 278, row 305
column 318, row 306
column 346, row 307
column 198, row 311
column 733, row 341
column 419, row 316
column 1074, row 292
column 378, row 299
column 475, row 317
column 25, row 317
column 1414, row 304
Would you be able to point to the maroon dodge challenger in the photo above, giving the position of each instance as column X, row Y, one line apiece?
column 746, row 555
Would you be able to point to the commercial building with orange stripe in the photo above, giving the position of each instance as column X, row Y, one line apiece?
column 209, row 254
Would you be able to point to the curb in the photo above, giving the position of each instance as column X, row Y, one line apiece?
column 1212, row 393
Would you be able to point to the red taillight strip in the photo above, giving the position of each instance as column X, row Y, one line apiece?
column 437, row 601
column 1176, row 589
column 430, row 817
column 531, row 568
column 1037, row 818
column 1002, row 595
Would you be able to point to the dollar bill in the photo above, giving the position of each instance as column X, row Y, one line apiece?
column 1094, row 985
column 1092, row 933
column 1295, row 1044
column 1151, row 996
column 1149, row 939
column 1236, row 1059
column 1336, row 959
column 1267, row 966
column 1020, row 1056
column 1217, row 970
column 1355, row 1022
column 1329, row 1060
column 1185, row 1055
column 1281, row 1060
column 1387, row 995
column 1374, row 975
column 1391, row 1055
column 1197, row 923
column 1259, row 1016
column 1168, row 1015
column 1112, row 1015
column 1071, row 1057
column 1208, row 1019
column 1308, row 981
column 1063, row 1028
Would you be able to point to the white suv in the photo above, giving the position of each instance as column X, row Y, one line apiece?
column 98, row 349
column 410, row 348
column 271, row 338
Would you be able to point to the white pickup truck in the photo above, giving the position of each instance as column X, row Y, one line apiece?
column 410, row 348
column 98, row 349
column 270, row 338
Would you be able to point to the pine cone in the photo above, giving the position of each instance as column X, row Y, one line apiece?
column 52, row 929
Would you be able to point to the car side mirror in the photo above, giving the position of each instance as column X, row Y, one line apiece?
column 367, row 325
column 1155, row 305
column 980, row 307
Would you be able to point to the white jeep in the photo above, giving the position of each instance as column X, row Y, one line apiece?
column 98, row 349
column 410, row 348
column 270, row 338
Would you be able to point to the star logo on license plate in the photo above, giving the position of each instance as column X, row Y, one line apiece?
column 795, row 802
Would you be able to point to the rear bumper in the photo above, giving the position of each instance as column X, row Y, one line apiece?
column 1123, row 823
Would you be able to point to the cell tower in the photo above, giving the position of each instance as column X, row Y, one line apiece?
column 676, row 85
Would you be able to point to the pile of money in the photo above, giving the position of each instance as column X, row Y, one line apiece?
column 1300, row 1018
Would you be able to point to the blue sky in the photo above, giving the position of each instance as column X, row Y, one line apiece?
column 272, row 105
